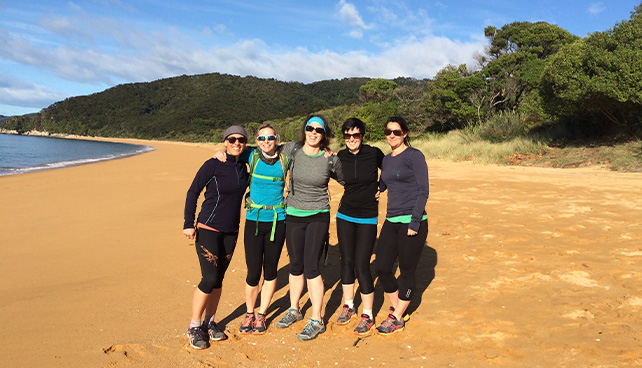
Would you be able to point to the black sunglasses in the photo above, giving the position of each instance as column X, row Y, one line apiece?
column 262, row 138
column 396, row 132
column 234, row 139
column 347, row 136
column 310, row 128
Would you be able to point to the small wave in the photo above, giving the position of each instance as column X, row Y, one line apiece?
column 61, row 164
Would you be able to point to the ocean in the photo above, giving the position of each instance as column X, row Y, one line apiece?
column 21, row 154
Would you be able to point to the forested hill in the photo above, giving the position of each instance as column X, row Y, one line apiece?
column 191, row 105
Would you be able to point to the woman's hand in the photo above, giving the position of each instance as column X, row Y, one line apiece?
column 328, row 152
column 411, row 232
column 220, row 155
column 377, row 195
column 189, row 233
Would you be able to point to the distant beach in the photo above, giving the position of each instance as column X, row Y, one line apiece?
column 26, row 153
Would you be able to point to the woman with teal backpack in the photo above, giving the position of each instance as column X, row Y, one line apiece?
column 264, row 233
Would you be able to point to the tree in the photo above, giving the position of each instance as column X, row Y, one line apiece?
column 515, row 60
column 447, row 99
column 377, row 90
column 598, row 79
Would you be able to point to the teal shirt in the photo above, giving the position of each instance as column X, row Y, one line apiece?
column 265, row 191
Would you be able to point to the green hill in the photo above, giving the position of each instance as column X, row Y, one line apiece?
column 188, row 106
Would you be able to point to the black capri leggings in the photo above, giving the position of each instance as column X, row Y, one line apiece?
column 214, row 250
column 356, row 242
column 260, row 252
column 305, row 241
column 394, row 242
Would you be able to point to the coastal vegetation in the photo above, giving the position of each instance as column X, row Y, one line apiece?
column 538, row 95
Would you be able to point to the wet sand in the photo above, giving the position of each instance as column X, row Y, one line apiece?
column 524, row 266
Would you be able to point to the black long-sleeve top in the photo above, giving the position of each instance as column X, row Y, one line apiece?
column 361, row 176
column 225, row 184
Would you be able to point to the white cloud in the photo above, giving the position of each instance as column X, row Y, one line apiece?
column 21, row 93
column 348, row 12
column 130, row 54
column 596, row 8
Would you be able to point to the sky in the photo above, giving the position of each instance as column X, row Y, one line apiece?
column 54, row 49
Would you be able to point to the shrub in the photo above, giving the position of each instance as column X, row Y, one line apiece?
column 503, row 127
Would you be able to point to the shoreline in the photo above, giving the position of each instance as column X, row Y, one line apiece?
column 140, row 149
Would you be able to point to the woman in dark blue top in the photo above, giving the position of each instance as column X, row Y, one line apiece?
column 404, row 173
column 215, row 231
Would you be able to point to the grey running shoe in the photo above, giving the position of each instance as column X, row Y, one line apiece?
column 197, row 338
column 391, row 325
column 345, row 315
column 215, row 333
column 364, row 325
column 260, row 324
column 291, row 316
column 312, row 330
column 247, row 324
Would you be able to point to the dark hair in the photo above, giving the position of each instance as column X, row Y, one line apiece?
column 354, row 123
column 403, row 125
column 325, row 141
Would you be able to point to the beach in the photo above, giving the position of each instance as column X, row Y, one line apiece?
column 524, row 267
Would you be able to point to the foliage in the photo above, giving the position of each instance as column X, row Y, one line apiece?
column 447, row 99
column 597, row 80
column 377, row 90
column 502, row 127
column 190, row 106
column 375, row 116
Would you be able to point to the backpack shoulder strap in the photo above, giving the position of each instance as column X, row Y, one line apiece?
column 254, row 160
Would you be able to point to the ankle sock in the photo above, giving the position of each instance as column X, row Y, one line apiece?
column 368, row 312
column 195, row 323
column 350, row 303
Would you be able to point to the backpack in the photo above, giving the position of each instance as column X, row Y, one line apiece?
column 249, row 204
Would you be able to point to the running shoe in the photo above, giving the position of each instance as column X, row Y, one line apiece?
column 391, row 325
column 291, row 316
column 260, row 325
column 312, row 330
column 345, row 315
column 247, row 324
column 214, row 332
column 197, row 338
column 365, row 325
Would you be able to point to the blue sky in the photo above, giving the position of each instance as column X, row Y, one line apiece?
column 51, row 50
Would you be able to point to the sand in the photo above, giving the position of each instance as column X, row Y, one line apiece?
column 529, row 267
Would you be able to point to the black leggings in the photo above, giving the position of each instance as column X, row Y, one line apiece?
column 214, row 250
column 394, row 242
column 356, row 242
column 260, row 252
column 305, row 241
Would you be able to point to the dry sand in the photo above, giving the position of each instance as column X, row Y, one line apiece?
column 532, row 267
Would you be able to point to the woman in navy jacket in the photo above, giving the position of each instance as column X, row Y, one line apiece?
column 215, row 231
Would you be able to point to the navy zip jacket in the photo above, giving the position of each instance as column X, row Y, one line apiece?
column 361, row 181
column 225, row 184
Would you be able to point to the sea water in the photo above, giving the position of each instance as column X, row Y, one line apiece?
column 20, row 154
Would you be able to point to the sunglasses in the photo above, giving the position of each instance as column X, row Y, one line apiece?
column 347, row 136
column 396, row 132
column 262, row 138
column 310, row 128
column 234, row 139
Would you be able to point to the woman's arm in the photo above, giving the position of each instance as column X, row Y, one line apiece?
column 420, row 169
column 200, row 180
